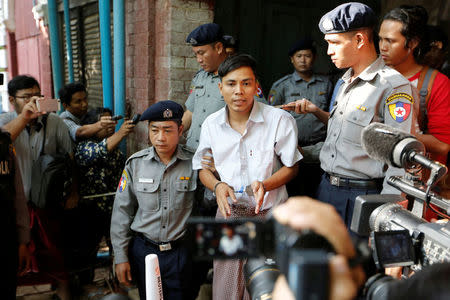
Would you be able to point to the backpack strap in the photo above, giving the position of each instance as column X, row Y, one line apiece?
column 44, row 122
column 426, row 80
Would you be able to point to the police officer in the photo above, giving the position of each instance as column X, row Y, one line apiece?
column 153, row 201
column 371, row 92
column 304, row 83
column 207, row 43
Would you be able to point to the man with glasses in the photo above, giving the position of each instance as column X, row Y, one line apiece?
column 25, row 126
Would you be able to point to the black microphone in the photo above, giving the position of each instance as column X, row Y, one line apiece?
column 397, row 148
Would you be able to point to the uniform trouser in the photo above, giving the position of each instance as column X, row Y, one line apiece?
column 306, row 181
column 342, row 198
column 175, row 267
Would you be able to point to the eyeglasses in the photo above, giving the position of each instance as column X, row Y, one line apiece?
column 28, row 96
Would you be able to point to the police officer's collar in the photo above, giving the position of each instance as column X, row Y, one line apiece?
column 297, row 77
column 72, row 117
column 369, row 73
column 179, row 153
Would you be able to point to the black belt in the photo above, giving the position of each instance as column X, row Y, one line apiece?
column 162, row 246
column 340, row 181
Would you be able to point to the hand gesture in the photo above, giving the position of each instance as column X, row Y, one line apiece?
column 126, row 128
column 223, row 191
column 30, row 110
column 258, row 192
column 302, row 106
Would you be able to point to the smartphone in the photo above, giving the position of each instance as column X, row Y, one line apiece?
column 136, row 118
column 116, row 118
column 228, row 239
column 48, row 105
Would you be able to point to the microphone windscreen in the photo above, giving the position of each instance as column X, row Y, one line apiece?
column 379, row 141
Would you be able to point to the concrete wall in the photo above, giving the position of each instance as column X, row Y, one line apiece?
column 160, row 65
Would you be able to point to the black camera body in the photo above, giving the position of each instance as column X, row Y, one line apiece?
column 302, row 257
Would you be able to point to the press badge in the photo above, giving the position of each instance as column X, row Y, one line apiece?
column 146, row 180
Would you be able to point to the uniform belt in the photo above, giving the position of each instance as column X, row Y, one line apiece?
column 162, row 246
column 340, row 181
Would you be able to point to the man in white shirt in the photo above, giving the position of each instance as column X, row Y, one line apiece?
column 254, row 147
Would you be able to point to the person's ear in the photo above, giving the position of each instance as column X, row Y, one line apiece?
column 413, row 44
column 219, row 48
column 180, row 130
column 221, row 87
column 65, row 106
column 11, row 99
column 360, row 39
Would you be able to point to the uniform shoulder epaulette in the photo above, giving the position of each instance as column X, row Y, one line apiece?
column 281, row 80
column 188, row 149
column 140, row 153
column 393, row 77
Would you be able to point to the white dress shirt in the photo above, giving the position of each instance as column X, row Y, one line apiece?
column 268, row 142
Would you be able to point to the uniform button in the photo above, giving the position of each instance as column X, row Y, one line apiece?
column 165, row 207
column 164, row 226
column 207, row 96
column 341, row 112
column 196, row 141
column 185, row 187
column 332, row 155
column 334, row 134
column 145, row 189
column 200, row 125
column 204, row 110
column 165, row 190
column 354, row 119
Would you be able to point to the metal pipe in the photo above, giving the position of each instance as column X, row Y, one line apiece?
column 119, row 61
column 55, row 47
column 69, row 53
column 104, row 9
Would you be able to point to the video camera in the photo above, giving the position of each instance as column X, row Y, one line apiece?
column 271, row 248
column 400, row 237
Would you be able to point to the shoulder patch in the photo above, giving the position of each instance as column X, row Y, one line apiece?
column 400, row 97
column 259, row 92
column 123, row 181
column 272, row 94
column 399, row 111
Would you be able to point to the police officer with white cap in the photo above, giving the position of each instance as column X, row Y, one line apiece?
column 153, row 202
column 371, row 92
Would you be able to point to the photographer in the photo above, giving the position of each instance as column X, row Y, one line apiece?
column 100, row 164
column 306, row 213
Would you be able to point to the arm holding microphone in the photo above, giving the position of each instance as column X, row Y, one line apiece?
column 306, row 213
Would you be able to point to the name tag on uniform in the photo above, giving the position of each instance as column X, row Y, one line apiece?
column 295, row 94
column 199, row 87
column 146, row 180
column 321, row 93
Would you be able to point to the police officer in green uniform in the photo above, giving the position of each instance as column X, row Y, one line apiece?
column 371, row 92
column 303, row 83
column 153, row 202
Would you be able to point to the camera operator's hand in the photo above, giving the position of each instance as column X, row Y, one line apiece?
column 30, row 110
column 306, row 213
column 126, row 128
column 342, row 285
column 106, row 122
column 258, row 192
column 223, row 191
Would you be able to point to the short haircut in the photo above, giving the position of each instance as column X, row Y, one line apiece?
column 234, row 62
column 93, row 115
column 21, row 82
column 414, row 24
column 66, row 92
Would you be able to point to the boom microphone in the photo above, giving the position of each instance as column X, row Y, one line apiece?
column 399, row 149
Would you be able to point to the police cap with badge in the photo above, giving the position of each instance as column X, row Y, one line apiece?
column 166, row 110
column 205, row 34
column 347, row 17
column 302, row 44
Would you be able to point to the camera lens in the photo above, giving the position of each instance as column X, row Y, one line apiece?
column 377, row 286
column 260, row 276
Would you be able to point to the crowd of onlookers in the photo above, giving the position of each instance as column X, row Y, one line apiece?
column 232, row 129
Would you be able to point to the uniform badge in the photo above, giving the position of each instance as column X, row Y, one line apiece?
column 271, row 96
column 193, row 41
column 123, row 181
column 191, row 89
column 399, row 96
column 400, row 111
column 327, row 24
column 259, row 92
column 167, row 114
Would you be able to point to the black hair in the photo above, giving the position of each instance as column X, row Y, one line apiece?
column 414, row 19
column 66, row 92
column 21, row 82
column 93, row 115
column 236, row 61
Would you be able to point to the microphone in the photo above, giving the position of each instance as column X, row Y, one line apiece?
column 398, row 149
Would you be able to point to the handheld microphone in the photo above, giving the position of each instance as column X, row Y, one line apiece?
column 398, row 149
